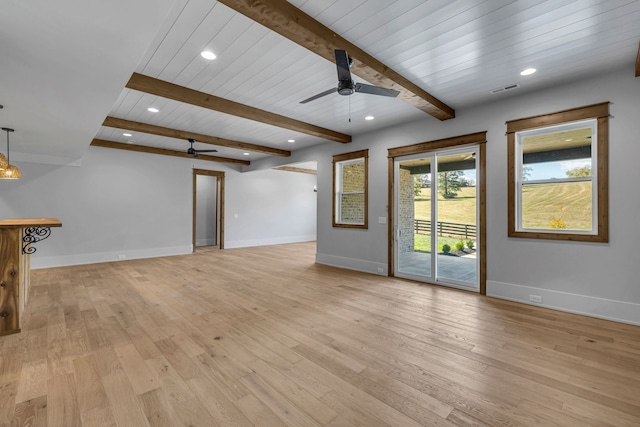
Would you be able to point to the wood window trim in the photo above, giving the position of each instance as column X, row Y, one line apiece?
column 638, row 62
column 599, row 112
column 593, row 111
column 219, row 199
column 341, row 158
column 479, row 139
column 425, row 147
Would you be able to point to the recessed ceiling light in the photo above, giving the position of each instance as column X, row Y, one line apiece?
column 207, row 54
column 291, row 140
column 245, row 154
column 153, row 110
column 369, row 118
column 126, row 134
column 527, row 72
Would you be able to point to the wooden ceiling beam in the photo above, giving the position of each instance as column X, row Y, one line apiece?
column 287, row 20
column 638, row 62
column 179, row 93
column 295, row 169
column 114, row 122
column 163, row 151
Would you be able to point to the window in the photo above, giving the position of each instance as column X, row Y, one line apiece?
column 350, row 183
column 558, row 175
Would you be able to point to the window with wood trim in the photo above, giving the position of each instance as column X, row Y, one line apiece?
column 350, row 182
column 558, row 175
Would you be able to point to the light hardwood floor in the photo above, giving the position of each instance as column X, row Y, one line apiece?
column 263, row 336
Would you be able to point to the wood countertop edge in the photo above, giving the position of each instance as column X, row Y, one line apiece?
column 30, row 222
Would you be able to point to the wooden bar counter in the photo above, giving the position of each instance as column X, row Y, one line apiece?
column 16, row 237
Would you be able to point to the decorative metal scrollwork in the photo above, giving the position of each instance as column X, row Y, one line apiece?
column 33, row 235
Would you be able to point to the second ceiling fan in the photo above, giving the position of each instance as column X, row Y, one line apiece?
column 346, row 86
column 193, row 152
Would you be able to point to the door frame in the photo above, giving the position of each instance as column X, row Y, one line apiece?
column 219, row 203
column 479, row 139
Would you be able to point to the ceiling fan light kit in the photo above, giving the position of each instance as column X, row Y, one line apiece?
column 7, row 170
column 346, row 86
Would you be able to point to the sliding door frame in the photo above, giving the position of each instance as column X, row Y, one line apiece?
column 479, row 139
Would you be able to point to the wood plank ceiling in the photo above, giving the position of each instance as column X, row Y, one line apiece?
column 274, row 53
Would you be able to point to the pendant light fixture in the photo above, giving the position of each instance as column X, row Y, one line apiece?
column 4, row 163
column 9, row 171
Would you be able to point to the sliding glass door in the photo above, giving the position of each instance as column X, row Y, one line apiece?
column 436, row 212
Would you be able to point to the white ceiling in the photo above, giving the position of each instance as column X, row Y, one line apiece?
column 63, row 64
column 67, row 65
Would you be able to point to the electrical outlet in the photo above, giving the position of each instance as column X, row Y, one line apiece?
column 122, row 256
column 380, row 270
column 535, row 298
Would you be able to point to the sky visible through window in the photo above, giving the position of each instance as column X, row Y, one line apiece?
column 549, row 170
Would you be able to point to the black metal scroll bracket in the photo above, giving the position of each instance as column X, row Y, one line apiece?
column 33, row 235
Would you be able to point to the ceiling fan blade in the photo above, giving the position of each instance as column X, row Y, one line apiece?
column 375, row 90
column 342, row 64
column 320, row 95
column 206, row 151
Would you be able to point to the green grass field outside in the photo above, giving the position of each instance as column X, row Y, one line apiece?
column 568, row 202
column 422, row 243
column 461, row 209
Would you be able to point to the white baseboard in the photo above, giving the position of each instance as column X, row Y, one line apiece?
column 352, row 264
column 618, row 311
column 264, row 242
column 94, row 258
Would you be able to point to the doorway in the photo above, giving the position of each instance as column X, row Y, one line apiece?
column 208, row 209
column 437, row 232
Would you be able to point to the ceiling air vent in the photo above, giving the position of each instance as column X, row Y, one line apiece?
column 502, row 89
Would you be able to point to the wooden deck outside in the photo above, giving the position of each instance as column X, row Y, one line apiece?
column 263, row 336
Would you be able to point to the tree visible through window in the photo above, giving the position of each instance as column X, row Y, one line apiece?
column 558, row 193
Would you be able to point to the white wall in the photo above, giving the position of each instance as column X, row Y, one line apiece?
column 206, row 215
column 140, row 205
column 593, row 278
column 272, row 207
column 122, row 202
